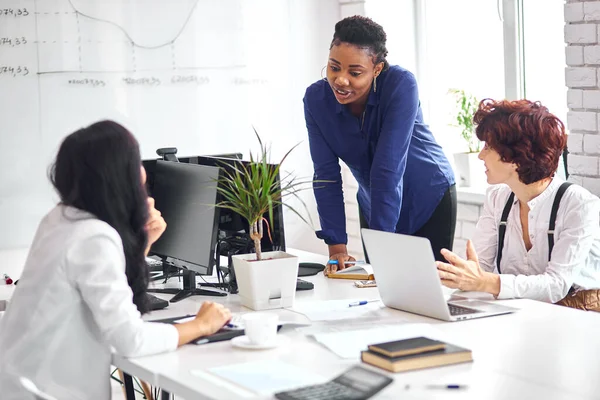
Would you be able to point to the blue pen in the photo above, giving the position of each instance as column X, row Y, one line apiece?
column 361, row 303
column 346, row 262
column 446, row 386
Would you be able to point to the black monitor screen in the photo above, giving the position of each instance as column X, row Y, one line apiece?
column 185, row 194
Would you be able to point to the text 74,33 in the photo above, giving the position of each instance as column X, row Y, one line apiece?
column 14, row 12
column 14, row 71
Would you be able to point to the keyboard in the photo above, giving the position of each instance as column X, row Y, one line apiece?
column 156, row 303
column 458, row 310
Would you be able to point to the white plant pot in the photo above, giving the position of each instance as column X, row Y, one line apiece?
column 268, row 283
column 470, row 170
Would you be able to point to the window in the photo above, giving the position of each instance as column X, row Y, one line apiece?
column 489, row 48
column 544, row 54
column 463, row 50
column 457, row 44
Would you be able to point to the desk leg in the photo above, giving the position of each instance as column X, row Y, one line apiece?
column 164, row 395
column 128, row 381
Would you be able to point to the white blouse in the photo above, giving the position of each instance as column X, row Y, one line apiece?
column 72, row 304
column 575, row 259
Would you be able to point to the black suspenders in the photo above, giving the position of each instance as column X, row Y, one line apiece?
column 504, row 218
column 502, row 228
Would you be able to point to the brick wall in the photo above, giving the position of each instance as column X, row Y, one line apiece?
column 470, row 205
column 582, row 36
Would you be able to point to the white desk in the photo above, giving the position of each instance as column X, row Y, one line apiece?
column 542, row 352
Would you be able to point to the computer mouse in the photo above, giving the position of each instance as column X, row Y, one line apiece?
column 304, row 285
column 309, row 268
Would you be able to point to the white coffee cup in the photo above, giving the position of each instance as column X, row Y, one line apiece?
column 260, row 328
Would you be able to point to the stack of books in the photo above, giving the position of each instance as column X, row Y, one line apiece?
column 414, row 353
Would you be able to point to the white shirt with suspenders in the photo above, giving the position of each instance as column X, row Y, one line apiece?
column 540, row 273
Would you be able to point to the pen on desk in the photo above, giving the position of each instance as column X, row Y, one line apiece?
column 446, row 386
column 361, row 303
column 346, row 262
column 441, row 386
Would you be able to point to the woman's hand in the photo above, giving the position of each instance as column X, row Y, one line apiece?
column 155, row 226
column 211, row 317
column 339, row 253
column 466, row 274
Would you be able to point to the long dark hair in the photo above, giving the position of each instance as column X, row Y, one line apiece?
column 98, row 170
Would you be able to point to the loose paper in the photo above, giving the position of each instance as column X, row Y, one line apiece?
column 265, row 377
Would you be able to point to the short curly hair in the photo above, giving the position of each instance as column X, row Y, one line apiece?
column 362, row 32
column 523, row 132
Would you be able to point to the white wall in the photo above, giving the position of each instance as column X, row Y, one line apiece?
column 283, row 45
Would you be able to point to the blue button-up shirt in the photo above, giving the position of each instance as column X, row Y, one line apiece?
column 401, row 171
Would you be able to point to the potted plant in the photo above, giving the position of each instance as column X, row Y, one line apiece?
column 468, row 166
column 252, row 190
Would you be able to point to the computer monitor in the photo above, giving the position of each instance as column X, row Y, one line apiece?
column 231, row 222
column 233, row 229
column 186, row 195
column 194, row 159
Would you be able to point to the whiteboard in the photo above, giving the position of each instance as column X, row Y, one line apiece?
column 191, row 74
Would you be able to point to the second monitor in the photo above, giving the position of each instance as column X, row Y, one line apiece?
column 186, row 195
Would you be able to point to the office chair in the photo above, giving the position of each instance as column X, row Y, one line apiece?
column 31, row 388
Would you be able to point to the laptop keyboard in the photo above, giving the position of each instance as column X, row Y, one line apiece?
column 458, row 310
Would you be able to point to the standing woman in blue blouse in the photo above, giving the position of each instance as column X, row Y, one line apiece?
column 367, row 114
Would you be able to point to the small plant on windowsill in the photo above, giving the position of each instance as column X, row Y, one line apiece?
column 468, row 167
column 466, row 106
column 253, row 190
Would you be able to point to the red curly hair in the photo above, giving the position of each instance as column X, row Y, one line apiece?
column 524, row 133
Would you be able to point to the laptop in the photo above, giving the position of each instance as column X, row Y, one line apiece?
column 407, row 279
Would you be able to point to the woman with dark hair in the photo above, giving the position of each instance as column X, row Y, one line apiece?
column 84, row 282
column 367, row 114
column 541, row 235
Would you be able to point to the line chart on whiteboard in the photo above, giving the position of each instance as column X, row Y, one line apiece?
column 77, row 36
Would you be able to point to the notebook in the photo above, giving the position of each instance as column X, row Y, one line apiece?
column 359, row 271
column 406, row 347
column 451, row 354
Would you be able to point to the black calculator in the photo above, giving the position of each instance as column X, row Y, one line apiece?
column 356, row 383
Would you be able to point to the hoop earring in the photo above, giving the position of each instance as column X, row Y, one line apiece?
column 375, row 83
column 323, row 77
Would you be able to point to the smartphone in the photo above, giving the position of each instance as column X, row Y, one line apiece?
column 362, row 284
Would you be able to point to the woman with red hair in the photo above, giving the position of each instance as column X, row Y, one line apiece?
column 537, row 238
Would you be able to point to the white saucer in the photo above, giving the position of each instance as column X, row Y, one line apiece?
column 244, row 343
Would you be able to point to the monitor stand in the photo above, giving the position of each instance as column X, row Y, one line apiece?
column 189, row 288
column 168, row 271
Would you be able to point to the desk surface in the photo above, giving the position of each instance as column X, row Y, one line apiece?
column 542, row 351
